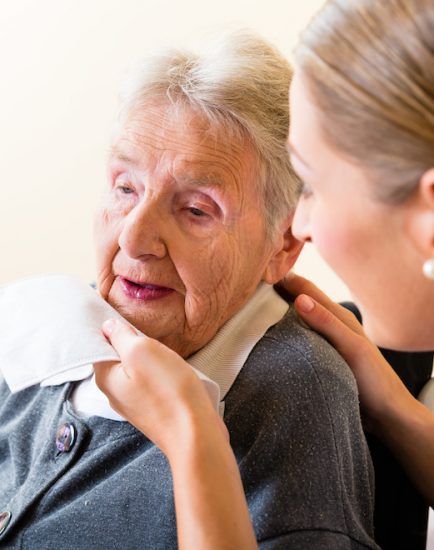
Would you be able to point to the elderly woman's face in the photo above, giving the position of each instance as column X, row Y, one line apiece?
column 181, row 242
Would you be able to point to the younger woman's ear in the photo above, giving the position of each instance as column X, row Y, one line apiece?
column 286, row 252
column 420, row 216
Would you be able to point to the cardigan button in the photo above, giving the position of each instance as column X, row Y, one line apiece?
column 65, row 437
column 5, row 518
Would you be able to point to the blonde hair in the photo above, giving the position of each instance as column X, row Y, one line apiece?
column 369, row 67
column 240, row 84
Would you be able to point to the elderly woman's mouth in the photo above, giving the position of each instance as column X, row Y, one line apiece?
column 143, row 291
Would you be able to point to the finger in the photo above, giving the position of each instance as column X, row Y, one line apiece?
column 106, row 373
column 295, row 285
column 224, row 429
column 104, row 369
column 321, row 319
column 105, row 365
column 109, row 380
column 298, row 285
column 120, row 334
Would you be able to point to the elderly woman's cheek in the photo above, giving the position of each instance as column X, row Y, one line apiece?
column 207, row 280
column 106, row 233
column 222, row 277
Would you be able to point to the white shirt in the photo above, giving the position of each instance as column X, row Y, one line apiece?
column 51, row 334
column 220, row 360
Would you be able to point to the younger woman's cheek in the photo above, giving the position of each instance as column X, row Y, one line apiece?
column 332, row 244
column 344, row 248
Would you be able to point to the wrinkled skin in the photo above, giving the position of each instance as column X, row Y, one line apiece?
column 182, row 211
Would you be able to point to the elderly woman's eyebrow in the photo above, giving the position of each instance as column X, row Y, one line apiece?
column 210, row 180
column 119, row 154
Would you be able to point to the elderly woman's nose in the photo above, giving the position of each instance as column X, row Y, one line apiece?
column 140, row 235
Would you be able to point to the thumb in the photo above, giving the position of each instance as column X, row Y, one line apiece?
column 318, row 317
column 120, row 334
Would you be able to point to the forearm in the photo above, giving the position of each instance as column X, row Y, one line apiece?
column 211, row 509
column 408, row 429
column 159, row 394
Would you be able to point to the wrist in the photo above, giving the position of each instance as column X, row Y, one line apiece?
column 209, row 498
column 201, row 429
column 401, row 415
column 194, row 431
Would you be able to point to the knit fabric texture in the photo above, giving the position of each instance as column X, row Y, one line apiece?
column 294, row 424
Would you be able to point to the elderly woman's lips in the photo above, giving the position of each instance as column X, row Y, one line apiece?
column 143, row 291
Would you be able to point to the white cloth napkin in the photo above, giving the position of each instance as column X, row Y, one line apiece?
column 50, row 333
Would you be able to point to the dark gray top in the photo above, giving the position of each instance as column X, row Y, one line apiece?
column 294, row 424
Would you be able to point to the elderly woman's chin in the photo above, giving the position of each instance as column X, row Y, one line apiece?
column 185, row 325
column 156, row 312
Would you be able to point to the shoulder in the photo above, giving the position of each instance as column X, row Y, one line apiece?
column 296, row 386
column 291, row 357
column 294, row 422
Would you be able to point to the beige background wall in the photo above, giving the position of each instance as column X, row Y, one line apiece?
column 61, row 65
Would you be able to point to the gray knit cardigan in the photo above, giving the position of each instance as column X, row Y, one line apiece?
column 293, row 418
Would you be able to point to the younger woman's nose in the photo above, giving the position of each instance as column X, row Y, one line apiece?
column 300, row 222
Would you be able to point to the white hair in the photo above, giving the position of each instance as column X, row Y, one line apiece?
column 240, row 83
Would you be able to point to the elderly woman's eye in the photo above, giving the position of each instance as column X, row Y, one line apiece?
column 197, row 212
column 125, row 189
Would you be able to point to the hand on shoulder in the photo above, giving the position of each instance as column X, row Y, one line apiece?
column 380, row 389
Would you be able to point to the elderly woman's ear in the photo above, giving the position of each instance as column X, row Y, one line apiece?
column 286, row 251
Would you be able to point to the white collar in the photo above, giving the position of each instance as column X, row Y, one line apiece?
column 50, row 327
column 219, row 362
column 59, row 318
column 223, row 357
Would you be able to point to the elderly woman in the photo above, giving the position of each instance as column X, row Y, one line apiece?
column 193, row 231
column 362, row 139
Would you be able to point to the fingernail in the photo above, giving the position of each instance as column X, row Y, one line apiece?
column 109, row 326
column 305, row 303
